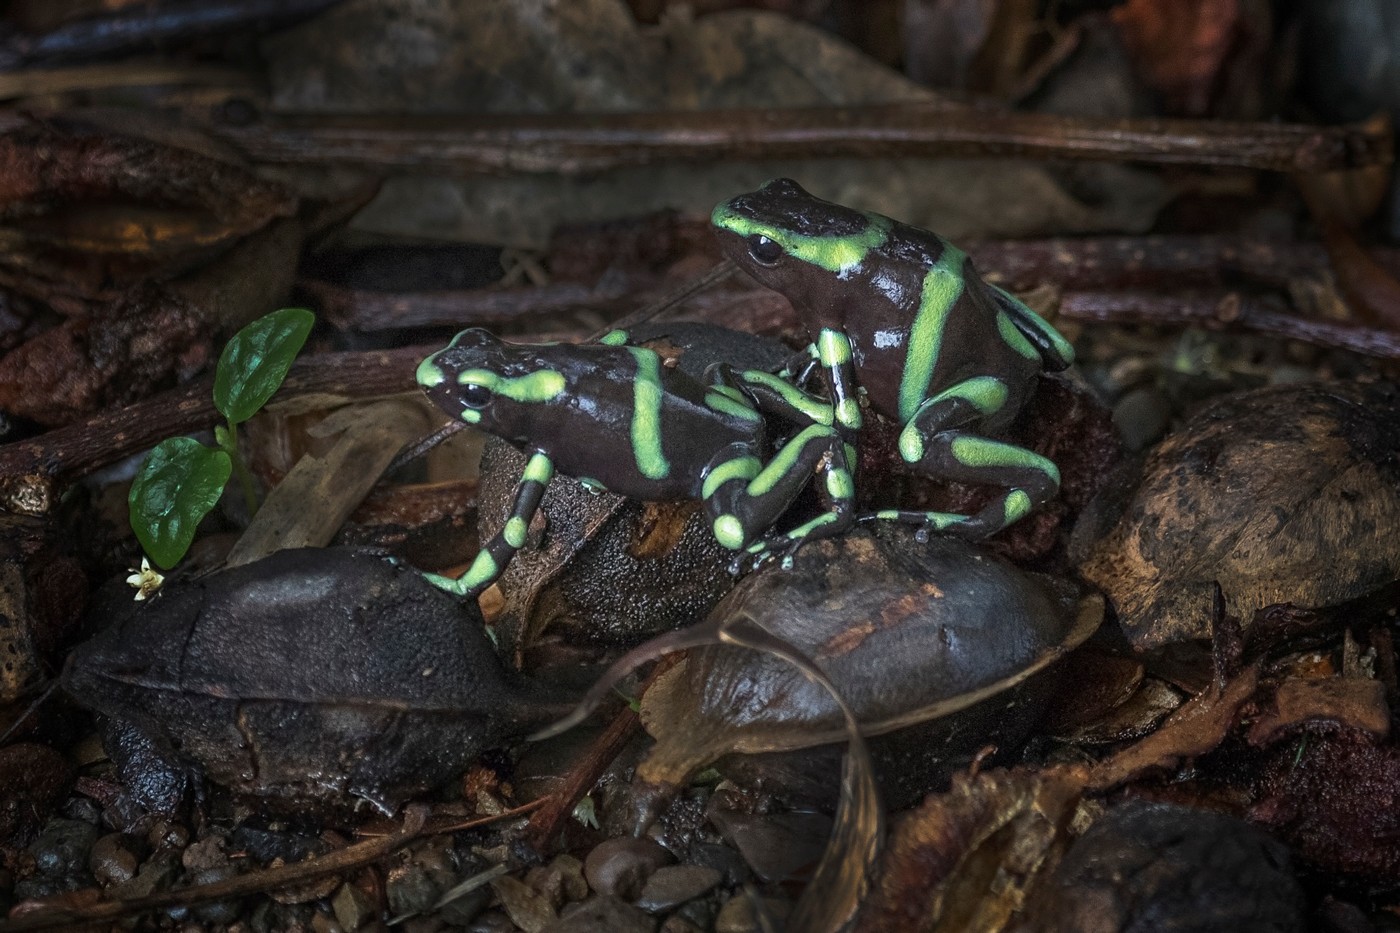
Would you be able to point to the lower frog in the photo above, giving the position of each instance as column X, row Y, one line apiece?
column 624, row 419
column 898, row 315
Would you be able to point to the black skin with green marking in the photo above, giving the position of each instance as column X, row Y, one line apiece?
column 900, row 315
column 625, row 419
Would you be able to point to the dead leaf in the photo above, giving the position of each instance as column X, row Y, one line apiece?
column 1198, row 727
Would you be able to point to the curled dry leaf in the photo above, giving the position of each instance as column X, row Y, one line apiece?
column 967, row 859
column 1354, row 703
column 1197, row 727
column 1288, row 494
column 87, row 212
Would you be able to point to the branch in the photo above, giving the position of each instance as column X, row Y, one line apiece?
column 580, row 143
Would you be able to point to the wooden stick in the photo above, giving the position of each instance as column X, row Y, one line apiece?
column 579, row 143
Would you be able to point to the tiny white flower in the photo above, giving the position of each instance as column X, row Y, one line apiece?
column 146, row 581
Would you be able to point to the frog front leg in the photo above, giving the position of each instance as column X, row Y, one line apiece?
column 495, row 554
column 744, row 496
column 939, row 441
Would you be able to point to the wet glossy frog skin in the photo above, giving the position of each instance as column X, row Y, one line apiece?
column 626, row 420
column 900, row 315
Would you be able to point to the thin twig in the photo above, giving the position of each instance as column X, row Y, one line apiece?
column 271, row 879
column 1222, row 310
column 580, row 143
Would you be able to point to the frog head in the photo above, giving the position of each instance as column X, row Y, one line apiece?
column 491, row 384
column 796, row 243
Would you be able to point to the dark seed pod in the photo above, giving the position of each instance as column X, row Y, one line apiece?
column 1285, row 495
column 313, row 673
column 909, row 633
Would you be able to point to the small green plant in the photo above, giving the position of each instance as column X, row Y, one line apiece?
column 181, row 479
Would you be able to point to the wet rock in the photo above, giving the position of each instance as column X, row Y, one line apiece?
column 673, row 885
column 602, row 914
column 678, row 924
column 621, row 866
column 113, row 859
column 1141, row 417
column 740, row 914
column 729, row 863
column 60, row 857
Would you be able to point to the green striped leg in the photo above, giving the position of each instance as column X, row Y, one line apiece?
column 773, row 395
column 745, row 496
column 495, row 554
column 937, row 441
column 834, row 354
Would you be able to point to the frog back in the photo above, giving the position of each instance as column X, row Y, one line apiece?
column 921, row 319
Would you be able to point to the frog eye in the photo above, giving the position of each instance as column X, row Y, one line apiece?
column 475, row 395
column 764, row 251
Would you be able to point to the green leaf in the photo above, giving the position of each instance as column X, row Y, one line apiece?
column 180, row 481
column 256, row 361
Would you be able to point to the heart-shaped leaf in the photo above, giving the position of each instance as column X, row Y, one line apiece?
column 256, row 360
column 179, row 483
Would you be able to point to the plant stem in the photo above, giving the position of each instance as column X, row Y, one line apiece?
column 245, row 479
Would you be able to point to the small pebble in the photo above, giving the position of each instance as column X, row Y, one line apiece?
column 155, row 875
column 493, row 921
column 602, row 915
column 673, row 885
column 112, row 860
column 1141, row 417
column 677, row 924
column 621, row 866
column 737, row 914
column 528, row 909
column 62, row 849
column 352, row 907
column 721, row 857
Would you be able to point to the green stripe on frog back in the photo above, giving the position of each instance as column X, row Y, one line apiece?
column 832, row 253
column 646, row 415
column 943, row 286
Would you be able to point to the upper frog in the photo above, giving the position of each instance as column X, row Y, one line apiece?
column 900, row 315
column 918, row 316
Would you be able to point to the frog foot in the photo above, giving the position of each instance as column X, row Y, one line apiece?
column 928, row 522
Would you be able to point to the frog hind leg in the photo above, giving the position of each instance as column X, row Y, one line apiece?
column 1056, row 353
column 496, row 553
column 940, row 441
column 745, row 496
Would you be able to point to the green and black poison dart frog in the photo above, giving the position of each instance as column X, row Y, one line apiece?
column 900, row 314
column 621, row 418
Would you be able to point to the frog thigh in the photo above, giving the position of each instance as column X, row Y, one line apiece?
column 961, row 405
